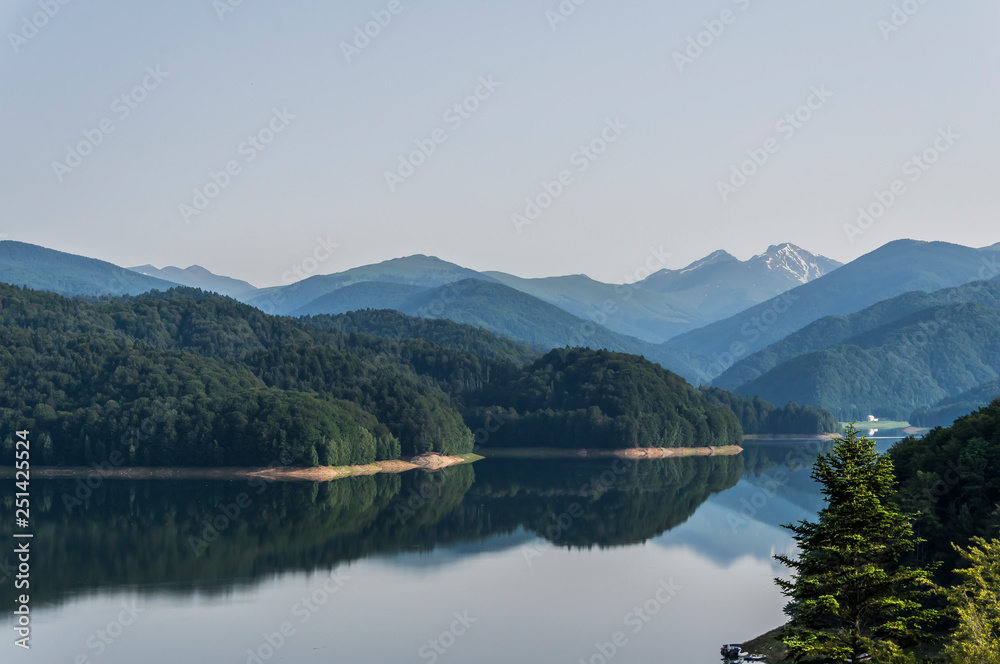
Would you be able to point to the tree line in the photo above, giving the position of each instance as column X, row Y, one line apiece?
column 190, row 378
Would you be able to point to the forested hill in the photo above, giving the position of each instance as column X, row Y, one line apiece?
column 946, row 411
column 890, row 371
column 581, row 398
column 951, row 477
column 390, row 324
column 758, row 416
column 184, row 378
column 188, row 378
column 834, row 330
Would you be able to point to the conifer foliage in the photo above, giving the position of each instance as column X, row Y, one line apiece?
column 849, row 593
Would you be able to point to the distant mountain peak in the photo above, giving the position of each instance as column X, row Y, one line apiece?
column 195, row 276
column 416, row 257
column 720, row 256
column 197, row 269
column 795, row 261
column 796, row 264
column 784, row 247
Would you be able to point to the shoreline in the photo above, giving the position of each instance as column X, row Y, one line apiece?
column 426, row 462
column 769, row 644
column 634, row 453
column 791, row 436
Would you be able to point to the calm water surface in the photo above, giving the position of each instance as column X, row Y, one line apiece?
column 523, row 561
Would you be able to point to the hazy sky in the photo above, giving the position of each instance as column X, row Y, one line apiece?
column 222, row 74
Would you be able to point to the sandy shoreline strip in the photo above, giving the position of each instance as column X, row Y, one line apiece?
column 634, row 453
column 428, row 462
column 674, row 452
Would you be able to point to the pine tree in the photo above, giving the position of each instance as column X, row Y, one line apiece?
column 849, row 592
column 976, row 604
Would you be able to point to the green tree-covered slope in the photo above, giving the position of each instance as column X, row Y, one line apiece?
column 757, row 416
column 951, row 476
column 388, row 324
column 946, row 411
column 893, row 370
column 833, row 330
column 189, row 378
column 220, row 370
column 580, row 398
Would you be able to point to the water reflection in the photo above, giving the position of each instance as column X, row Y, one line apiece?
column 186, row 536
column 417, row 548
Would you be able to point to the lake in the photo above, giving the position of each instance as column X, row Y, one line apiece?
column 506, row 560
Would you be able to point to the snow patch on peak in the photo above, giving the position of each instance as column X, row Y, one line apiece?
column 801, row 265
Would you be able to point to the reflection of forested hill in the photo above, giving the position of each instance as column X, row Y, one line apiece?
column 141, row 534
column 145, row 533
column 781, row 472
column 621, row 503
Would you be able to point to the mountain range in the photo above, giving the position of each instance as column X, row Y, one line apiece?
column 894, row 269
column 891, row 371
column 837, row 330
column 506, row 312
column 787, row 324
column 720, row 285
column 198, row 277
column 653, row 309
column 67, row 274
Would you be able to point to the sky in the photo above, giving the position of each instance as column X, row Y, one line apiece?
column 249, row 135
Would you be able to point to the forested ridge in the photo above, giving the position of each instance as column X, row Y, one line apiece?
column 579, row 398
column 951, row 477
column 895, row 369
column 946, row 411
column 758, row 416
column 390, row 324
column 185, row 378
column 189, row 378
column 835, row 330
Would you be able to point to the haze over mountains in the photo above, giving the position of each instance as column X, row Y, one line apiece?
column 720, row 285
column 787, row 324
column 654, row 308
column 893, row 269
column 418, row 270
column 198, row 277
column 837, row 330
column 67, row 274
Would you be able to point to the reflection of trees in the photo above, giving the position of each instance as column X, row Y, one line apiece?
column 141, row 534
column 621, row 502
column 760, row 458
